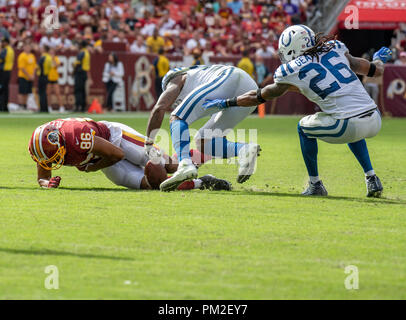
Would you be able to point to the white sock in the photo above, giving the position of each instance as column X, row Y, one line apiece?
column 370, row 173
column 197, row 183
column 313, row 180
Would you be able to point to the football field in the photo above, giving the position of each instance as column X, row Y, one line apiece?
column 260, row 241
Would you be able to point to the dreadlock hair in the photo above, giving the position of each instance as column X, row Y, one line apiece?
column 320, row 46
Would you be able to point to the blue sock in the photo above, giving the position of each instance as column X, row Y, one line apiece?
column 360, row 150
column 222, row 148
column 309, row 152
column 180, row 139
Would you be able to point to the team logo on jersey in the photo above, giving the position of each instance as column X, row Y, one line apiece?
column 53, row 137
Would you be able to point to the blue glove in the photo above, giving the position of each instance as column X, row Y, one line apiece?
column 383, row 54
column 216, row 103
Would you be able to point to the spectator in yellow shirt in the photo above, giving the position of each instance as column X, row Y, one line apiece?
column 44, row 67
column 6, row 65
column 168, row 44
column 53, row 78
column 161, row 67
column 155, row 42
column 246, row 64
column 27, row 64
column 81, row 74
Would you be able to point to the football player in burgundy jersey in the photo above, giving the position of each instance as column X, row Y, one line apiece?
column 114, row 148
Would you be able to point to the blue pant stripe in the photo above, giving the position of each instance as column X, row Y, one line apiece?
column 185, row 103
column 223, row 79
column 335, row 135
column 335, row 125
column 206, row 93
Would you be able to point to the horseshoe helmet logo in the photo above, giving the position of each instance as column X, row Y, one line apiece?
column 289, row 41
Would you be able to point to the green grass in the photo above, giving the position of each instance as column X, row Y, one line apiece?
column 260, row 241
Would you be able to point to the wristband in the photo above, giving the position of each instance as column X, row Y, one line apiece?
column 231, row 102
column 372, row 69
column 259, row 96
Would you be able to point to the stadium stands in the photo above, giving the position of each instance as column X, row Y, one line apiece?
column 216, row 27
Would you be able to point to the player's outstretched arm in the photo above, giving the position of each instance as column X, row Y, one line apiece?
column 371, row 69
column 251, row 98
column 362, row 66
column 108, row 152
column 165, row 101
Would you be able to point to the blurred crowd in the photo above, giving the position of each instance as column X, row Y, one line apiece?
column 198, row 28
column 180, row 27
column 399, row 45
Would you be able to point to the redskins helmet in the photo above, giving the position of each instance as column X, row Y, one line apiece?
column 47, row 147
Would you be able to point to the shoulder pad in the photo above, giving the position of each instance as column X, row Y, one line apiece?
column 338, row 44
column 285, row 70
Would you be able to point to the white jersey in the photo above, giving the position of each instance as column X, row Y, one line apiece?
column 207, row 83
column 330, row 83
column 200, row 74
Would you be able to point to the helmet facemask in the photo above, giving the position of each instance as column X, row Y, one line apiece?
column 53, row 163
column 53, row 143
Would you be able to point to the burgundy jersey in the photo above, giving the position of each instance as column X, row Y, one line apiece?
column 79, row 138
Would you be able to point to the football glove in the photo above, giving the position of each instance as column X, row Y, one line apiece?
column 383, row 54
column 54, row 182
column 216, row 103
column 151, row 151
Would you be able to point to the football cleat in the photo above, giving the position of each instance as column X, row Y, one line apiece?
column 315, row 189
column 186, row 171
column 247, row 159
column 212, row 183
column 374, row 186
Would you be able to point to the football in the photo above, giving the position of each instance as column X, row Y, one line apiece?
column 155, row 174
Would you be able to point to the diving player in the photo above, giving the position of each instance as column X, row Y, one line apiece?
column 186, row 89
column 322, row 69
column 114, row 148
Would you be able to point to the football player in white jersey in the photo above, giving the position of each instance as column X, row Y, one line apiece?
column 322, row 69
column 186, row 89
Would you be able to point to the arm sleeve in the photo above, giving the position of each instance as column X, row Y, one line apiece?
column 287, row 74
column 280, row 75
